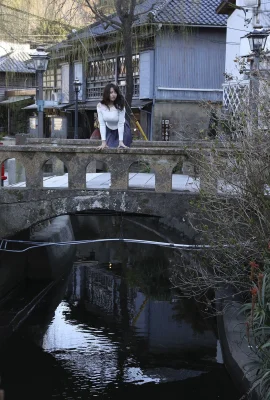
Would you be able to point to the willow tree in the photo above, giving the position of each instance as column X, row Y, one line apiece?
column 24, row 21
column 121, row 16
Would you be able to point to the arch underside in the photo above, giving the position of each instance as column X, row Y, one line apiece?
column 20, row 209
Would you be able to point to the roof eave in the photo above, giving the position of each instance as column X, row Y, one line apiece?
column 192, row 25
column 226, row 7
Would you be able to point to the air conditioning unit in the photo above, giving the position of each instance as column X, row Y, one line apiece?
column 248, row 3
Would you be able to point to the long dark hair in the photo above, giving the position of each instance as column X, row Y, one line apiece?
column 119, row 102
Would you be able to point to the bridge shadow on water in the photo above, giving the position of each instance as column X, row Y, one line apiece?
column 115, row 329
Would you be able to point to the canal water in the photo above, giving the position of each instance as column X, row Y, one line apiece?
column 115, row 329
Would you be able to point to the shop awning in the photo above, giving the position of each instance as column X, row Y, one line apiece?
column 15, row 99
column 92, row 104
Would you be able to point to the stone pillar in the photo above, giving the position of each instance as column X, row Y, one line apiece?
column 119, row 174
column 163, row 176
column 76, row 169
column 34, row 177
column 57, row 167
column 16, row 172
column 76, row 177
column 208, row 182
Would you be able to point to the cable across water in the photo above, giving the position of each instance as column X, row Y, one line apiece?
column 32, row 245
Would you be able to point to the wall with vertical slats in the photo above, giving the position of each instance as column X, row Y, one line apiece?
column 192, row 58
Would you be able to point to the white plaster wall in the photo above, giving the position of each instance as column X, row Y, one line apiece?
column 264, row 18
column 247, row 3
column 235, row 31
column 237, row 28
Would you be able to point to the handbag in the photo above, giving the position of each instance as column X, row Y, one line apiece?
column 96, row 134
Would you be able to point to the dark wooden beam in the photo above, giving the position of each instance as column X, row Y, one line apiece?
column 226, row 7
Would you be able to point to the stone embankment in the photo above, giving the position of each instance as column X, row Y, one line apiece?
column 25, row 278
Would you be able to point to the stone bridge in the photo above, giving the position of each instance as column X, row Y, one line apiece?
column 22, row 207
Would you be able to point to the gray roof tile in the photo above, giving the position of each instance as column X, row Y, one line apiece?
column 16, row 61
column 191, row 12
column 175, row 12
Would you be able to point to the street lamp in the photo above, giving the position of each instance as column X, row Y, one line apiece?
column 77, row 87
column 40, row 60
column 257, row 40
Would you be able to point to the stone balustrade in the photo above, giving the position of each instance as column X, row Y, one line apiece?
column 83, row 155
column 23, row 207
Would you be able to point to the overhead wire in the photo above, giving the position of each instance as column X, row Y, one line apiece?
column 35, row 244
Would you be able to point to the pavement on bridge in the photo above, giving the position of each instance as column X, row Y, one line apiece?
column 102, row 180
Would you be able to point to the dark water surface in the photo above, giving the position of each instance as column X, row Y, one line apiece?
column 106, row 333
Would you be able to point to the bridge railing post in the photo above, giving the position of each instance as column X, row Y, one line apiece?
column 33, row 172
column 208, row 180
column 77, row 171
column 163, row 175
column 119, row 169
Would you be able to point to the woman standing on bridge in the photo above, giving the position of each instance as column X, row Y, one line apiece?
column 114, row 130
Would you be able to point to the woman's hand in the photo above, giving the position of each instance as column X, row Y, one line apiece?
column 103, row 145
column 121, row 144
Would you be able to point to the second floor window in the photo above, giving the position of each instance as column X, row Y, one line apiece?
column 102, row 72
column 52, row 78
column 48, row 78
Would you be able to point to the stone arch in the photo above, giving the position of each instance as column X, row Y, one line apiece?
column 184, row 176
column 32, row 207
column 141, row 175
column 55, row 173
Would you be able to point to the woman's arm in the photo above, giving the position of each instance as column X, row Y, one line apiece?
column 102, row 124
column 121, row 123
column 102, row 127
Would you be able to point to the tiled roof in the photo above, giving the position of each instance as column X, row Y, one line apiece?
column 142, row 10
column 191, row 12
column 16, row 61
column 175, row 12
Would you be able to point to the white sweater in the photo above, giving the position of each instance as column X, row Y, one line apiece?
column 112, row 118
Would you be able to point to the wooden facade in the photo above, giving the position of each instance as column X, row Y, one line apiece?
column 172, row 65
column 10, row 81
column 189, row 66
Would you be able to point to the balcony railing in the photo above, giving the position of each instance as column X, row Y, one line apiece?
column 95, row 90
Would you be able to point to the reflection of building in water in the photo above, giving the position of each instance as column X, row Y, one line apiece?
column 76, row 284
column 99, row 289
column 101, row 292
column 105, row 352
